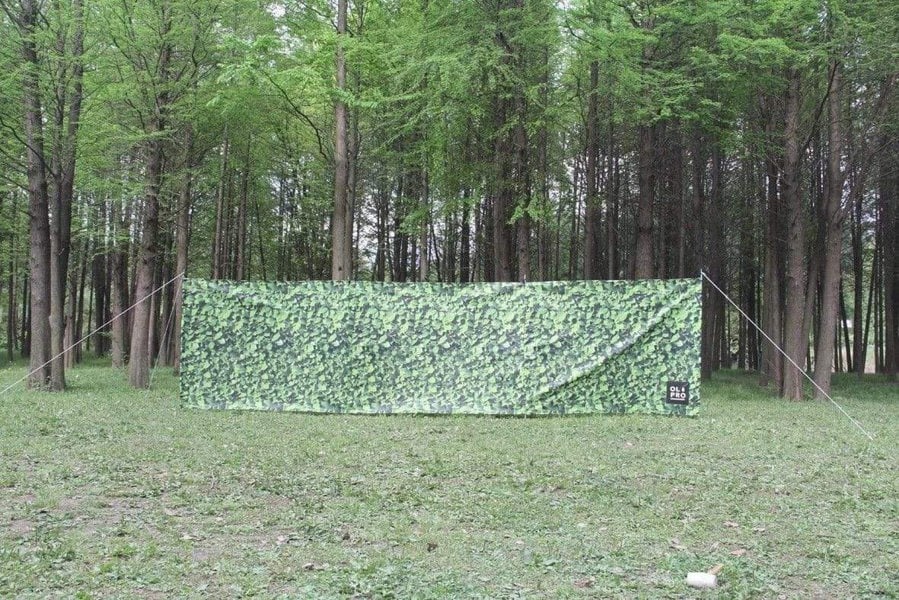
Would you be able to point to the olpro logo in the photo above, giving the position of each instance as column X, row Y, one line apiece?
column 678, row 392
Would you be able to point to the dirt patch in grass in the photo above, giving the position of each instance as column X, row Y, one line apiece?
column 19, row 528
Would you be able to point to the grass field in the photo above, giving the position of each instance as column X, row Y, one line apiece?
column 111, row 493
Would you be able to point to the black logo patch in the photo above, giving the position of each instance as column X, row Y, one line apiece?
column 678, row 392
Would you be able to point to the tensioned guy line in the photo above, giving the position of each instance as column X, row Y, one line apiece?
column 166, row 332
column 787, row 356
column 127, row 310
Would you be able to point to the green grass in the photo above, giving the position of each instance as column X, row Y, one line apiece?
column 112, row 493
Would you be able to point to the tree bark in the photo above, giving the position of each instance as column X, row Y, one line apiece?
column 643, row 260
column 13, row 283
column 218, row 245
column 119, row 300
column 139, row 354
column 575, row 221
column 182, row 239
column 465, row 241
column 242, row 254
column 39, row 222
column 592, row 213
column 712, row 306
column 889, row 215
column 522, row 189
column 612, row 216
column 858, row 272
column 502, row 197
column 340, row 261
column 832, row 229
column 423, row 255
column 771, row 362
column 796, row 272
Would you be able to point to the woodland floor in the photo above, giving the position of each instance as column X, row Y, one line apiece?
column 112, row 493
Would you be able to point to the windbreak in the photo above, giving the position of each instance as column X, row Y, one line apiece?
column 485, row 348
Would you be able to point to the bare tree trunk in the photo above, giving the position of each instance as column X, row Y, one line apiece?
column 66, row 128
column 351, row 249
column 522, row 189
column 242, row 254
column 25, row 323
column 889, row 215
column 139, row 355
column 484, row 267
column 575, row 222
column 340, row 261
column 796, row 272
column 11, row 324
column 75, row 301
column 382, row 206
column 119, row 286
column 712, row 306
column 523, row 247
column 398, row 271
column 465, row 242
column 643, row 261
column 680, row 205
column 543, row 231
column 502, row 195
column 832, row 229
column 592, row 211
column 39, row 245
column 99, row 285
column 850, row 365
column 771, row 363
column 218, row 252
column 423, row 245
column 612, row 251
column 858, row 292
column 182, row 240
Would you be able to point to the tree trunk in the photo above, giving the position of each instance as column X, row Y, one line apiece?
column 423, row 245
column 643, row 260
column 771, row 362
column 858, row 292
column 182, row 240
column 218, row 245
column 11, row 325
column 832, row 230
column 612, row 251
column 340, row 260
column 796, row 271
column 522, row 188
column 575, row 222
column 465, row 241
column 242, row 254
column 139, row 355
column 119, row 285
column 680, row 205
column 889, row 215
column 39, row 224
column 592, row 211
column 712, row 304
column 502, row 194
column 98, row 284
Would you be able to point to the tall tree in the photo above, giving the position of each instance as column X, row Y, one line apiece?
column 341, row 256
column 27, row 22
column 795, row 339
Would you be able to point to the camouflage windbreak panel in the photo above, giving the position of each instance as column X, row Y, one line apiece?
column 525, row 349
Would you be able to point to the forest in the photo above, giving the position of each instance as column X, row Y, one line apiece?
column 756, row 141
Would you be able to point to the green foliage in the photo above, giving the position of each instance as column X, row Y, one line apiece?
column 540, row 348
